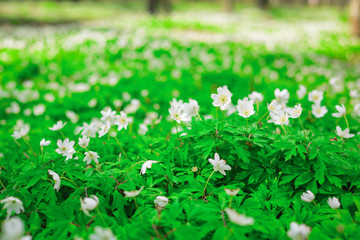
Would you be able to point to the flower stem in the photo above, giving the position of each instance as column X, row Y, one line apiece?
column 71, row 182
column 177, row 133
column 137, row 208
column 207, row 182
column 303, row 128
column 288, row 130
column 247, row 124
column 2, row 185
column 314, row 203
column 102, row 219
column 262, row 117
column 130, row 169
column 283, row 129
column 120, row 146
column 31, row 149
column 347, row 123
column 62, row 134
column 338, row 212
column 231, row 197
column 197, row 113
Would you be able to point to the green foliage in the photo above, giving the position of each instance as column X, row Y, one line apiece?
column 66, row 72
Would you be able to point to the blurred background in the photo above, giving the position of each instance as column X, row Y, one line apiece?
column 77, row 11
column 184, row 47
column 82, row 56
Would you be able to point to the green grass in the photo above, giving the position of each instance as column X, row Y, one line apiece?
column 74, row 73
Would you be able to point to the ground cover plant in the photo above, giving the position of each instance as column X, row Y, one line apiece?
column 131, row 134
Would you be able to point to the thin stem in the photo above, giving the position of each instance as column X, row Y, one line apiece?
column 222, row 120
column 257, row 107
column 62, row 134
column 131, row 169
column 43, row 154
column 223, row 218
column 263, row 117
column 120, row 146
column 177, row 133
column 283, row 129
column 303, row 129
column 338, row 212
column 31, row 149
column 102, row 219
column 2, row 185
column 207, row 182
column 71, row 182
column 156, row 231
column 231, row 197
column 347, row 123
column 137, row 208
column 247, row 124
column 288, row 130
column 197, row 113
column 314, row 203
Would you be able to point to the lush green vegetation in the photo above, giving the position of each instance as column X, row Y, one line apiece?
column 76, row 75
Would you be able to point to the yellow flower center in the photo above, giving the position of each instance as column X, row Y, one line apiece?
column 222, row 99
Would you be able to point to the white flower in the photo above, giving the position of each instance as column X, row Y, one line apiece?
column 239, row 219
column 13, row 229
column 43, row 142
column 318, row 111
column 22, row 132
column 191, row 108
column 357, row 110
column 354, row 93
column 337, row 83
column 256, row 97
column 142, row 129
column 133, row 193
column 301, row 92
column 133, row 106
column 245, row 107
column 222, row 99
column 232, row 192
column 104, row 129
column 84, row 141
column 102, row 234
column 122, row 121
column 108, row 116
column 39, row 109
column 298, row 232
column 66, row 148
column 56, row 179
column 72, row 116
column 161, row 201
column 59, row 125
column 295, row 112
column 90, row 156
column 316, row 96
column 230, row 109
column 343, row 134
column 307, row 196
column 89, row 130
column 12, row 204
column 333, row 202
column 274, row 106
column 89, row 203
column 219, row 165
column 341, row 111
column 177, row 111
column 146, row 165
column 279, row 118
column 283, row 96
